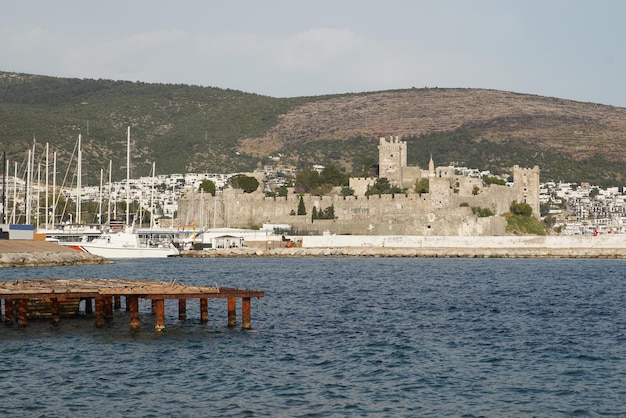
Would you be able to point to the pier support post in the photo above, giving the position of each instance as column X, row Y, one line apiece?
column 108, row 309
column 117, row 302
column 232, row 313
column 88, row 306
column 9, row 316
column 204, row 310
column 55, row 311
column 245, row 313
column 159, row 306
column 99, row 312
column 133, row 304
column 22, row 312
column 182, row 309
column 153, row 307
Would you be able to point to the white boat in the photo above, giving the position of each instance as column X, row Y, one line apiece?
column 72, row 234
column 129, row 244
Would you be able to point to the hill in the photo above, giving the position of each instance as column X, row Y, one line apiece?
column 191, row 128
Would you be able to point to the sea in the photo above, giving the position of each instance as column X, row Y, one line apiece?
column 337, row 337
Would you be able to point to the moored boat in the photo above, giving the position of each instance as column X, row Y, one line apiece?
column 130, row 244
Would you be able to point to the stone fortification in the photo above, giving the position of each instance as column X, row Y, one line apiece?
column 445, row 210
column 440, row 213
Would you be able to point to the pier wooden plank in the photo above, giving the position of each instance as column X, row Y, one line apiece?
column 107, row 293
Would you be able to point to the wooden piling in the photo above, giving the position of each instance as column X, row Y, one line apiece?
column 55, row 311
column 22, row 312
column 182, row 309
column 88, row 306
column 99, row 311
column 159, row 306
column 245, row 313
column 133, row 302
column 108, row 309
column 9, row 316
column 232, row 313
column 117, row 302
column 204, row 310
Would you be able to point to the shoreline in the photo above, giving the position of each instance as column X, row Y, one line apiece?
column 381, row 252
column 25, row 253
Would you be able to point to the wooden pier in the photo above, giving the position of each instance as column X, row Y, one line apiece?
column 56, row 298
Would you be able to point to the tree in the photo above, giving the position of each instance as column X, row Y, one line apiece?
column 494, row 180
column 281, row 191
column 521, row 208
column 301, row 208
column 314, row 214
column 347, row 191
column 332, row 175
column 246, row 183
column 207, row 186
column 382, row 186
column 308, row 179
column 422, row 186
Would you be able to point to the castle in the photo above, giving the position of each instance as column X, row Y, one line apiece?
column 446, row 210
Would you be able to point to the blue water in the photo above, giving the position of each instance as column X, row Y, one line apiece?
column 338, row 337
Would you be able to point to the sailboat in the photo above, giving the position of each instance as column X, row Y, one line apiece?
column 129, row 243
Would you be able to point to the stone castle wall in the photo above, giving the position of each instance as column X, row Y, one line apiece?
column 445, row 210
column 438, row 213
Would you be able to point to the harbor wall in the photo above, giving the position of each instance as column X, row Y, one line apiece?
column 514, row 242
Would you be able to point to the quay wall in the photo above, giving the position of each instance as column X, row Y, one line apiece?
column 602, row 246
column 513, row 242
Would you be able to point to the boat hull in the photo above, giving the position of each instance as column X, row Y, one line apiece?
column 130, row 252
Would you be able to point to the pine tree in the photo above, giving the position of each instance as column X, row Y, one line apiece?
column 301, row 208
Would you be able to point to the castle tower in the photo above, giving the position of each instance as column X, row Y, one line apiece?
column 391, row 160
column 526, row 186
column 431, row 167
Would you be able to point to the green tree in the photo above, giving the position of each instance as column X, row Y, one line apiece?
column 332, row 175
column 282, row 191
column 308, row 179
column 521, row 208
column 347, row 191
column 247, row 183
column 422, row 186
column 494, row 180
column 314, row 214
column 207, row 186
column 301, row 208
column 382, row 186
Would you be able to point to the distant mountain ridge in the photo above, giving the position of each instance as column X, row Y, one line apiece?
column 191, row 128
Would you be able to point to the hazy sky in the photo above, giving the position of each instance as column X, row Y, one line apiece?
column 569, row 49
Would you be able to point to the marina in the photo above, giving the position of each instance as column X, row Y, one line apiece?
column 25, row 299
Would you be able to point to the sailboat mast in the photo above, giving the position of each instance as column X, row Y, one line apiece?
column 47, row 179
column 109, row 201
column 79, row 177
column 4, row 186
column 128, row 178
column 28, row 186
column 100, row 198
column 152, row 195
column 14, row 195
column 37, row 196
column 54, row 187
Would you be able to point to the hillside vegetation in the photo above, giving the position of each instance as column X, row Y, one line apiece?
column 196, row 129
